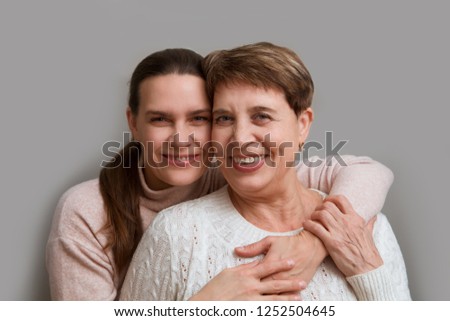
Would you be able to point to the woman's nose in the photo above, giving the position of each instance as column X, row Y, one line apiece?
column 242, row 132
column 182, row 137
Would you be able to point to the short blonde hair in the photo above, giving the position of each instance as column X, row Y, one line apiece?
column 263, row 65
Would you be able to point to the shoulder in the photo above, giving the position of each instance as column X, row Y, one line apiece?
column 80, row 207
column 83, row 195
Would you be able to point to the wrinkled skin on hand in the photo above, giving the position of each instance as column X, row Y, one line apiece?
column 346, row 236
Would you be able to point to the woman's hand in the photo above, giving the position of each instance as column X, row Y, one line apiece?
column 305, row 249
column 346, row 236
column 245, row 282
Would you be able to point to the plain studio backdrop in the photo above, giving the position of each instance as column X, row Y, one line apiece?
column 381, row 74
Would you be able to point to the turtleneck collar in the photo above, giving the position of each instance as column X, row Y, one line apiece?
column 156, row 201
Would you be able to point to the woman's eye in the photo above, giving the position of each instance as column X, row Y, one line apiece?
column 223, row 120
column 262, row 117
column 201, row 119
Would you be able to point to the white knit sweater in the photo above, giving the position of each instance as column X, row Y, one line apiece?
column 190, row 243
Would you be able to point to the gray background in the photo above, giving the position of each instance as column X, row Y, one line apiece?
column 380, row 68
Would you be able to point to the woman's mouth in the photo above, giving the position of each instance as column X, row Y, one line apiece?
column 248, row 164
column 183, row 160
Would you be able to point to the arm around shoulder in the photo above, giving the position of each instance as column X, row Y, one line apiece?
column 364, row 181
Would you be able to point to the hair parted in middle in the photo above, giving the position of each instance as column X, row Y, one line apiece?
column 263, row 65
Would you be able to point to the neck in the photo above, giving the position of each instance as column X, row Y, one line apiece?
column 280, row 210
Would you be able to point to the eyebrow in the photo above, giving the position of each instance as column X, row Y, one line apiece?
column 193, row 113
column 252, row 109
column 200, row 111
column 262, row 108
column 156, row 112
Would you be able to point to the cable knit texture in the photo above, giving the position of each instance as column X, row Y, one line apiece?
column 80, row 268
column 190, row 243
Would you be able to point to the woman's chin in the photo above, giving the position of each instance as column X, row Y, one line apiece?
column 183, row 179
column 253, row 186
column 180, row 176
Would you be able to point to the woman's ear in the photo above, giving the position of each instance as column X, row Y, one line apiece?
column 305, row 120
column 132, row 122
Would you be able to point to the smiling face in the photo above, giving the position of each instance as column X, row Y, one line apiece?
column 173, row 124
column 261, row 121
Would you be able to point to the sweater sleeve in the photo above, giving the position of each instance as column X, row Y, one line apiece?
column 77, row 272
column 362, row 180
column 149, row 276
column 389, row 281
column 78, row 265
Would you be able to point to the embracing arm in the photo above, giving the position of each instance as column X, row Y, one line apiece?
column 77, row 272
column 362, row 180
column 77, row 263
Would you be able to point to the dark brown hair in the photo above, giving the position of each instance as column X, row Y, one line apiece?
column 120, row 185
column 263, row 65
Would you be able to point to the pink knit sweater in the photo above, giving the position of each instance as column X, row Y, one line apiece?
column 80, row 269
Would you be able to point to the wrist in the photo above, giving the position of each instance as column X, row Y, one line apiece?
column 321, row 250
column 370, row 263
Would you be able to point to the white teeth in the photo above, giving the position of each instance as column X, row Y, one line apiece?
column 245, row 160
column 182, row 159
